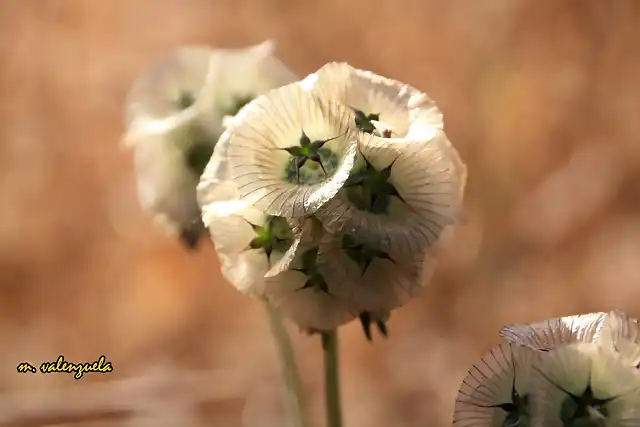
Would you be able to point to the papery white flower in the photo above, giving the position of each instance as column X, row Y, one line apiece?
column 556, row 332
column 300, row 292
column 174, row 115
column 400, row 196
column 291, row 152
column 496, row 390
column 584, row 384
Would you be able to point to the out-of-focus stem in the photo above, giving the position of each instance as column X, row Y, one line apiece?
column 331, row 378
column 288, row 368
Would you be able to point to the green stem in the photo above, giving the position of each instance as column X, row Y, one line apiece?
column 288, row 368
column 331, row 378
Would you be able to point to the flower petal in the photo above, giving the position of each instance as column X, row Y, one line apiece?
column 556, row 332
column 491, row 382
column 232, row 225
column 170, row 86
column 394, row 103
column 237, row 76
column 167, row 177
column 265, row 173
column 427, row 183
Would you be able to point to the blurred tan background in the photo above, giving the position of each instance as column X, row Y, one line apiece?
column 541, row 97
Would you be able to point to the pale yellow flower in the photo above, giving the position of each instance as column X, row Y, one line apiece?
column 584, row 384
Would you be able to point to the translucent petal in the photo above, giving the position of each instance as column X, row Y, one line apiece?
column 397, row 104
column 556, row 332
column 570, row 370
column 490, row 382
column 428, row 182
column 260, row 166
column 623, row 332
column 310, row 308
column 372, row 283
column 166, row 182
column 238, row 75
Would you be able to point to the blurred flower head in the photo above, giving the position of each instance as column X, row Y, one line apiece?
column 174, row 117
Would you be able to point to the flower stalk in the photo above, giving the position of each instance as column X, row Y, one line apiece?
column 288, row 368
column 331, row 378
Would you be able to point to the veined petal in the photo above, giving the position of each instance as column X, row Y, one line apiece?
column 248, row 242
column 373, row 279
column 292, row 152
column 495, row 392
column 301, row 294
column 623, row 333
column 556, row 332
column 584, row 384
column 389, row 101
column 400, row 196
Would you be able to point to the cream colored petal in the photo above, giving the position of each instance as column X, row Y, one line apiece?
column 428, row 181
column 372, row 284
column 214, row 184
column 569, row 370
column 491, row 382
column 623, row 333
column 259, row 163
column 400, row 106
column 556, row 332
column 166, row 183
column 157, row 93
column 310, row 308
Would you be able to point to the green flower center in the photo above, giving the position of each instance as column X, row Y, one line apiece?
column 311, row 162
column 237, row 105
column 275, row 235
column 198, row 156
column 363, row 121
column 517, row 411
column 362, row 254
column 315, row 280
column 370, row 190
column 584, row 410
column 185, row 100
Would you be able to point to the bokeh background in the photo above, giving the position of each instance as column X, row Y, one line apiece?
column 541, row 97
